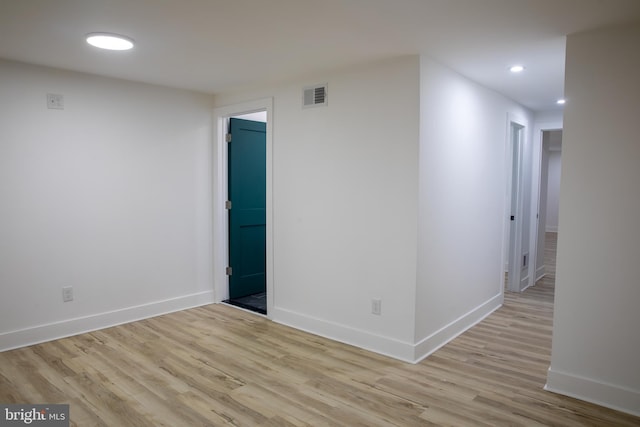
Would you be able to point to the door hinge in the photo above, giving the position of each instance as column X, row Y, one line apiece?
column 228, row 137
column 227, row 204
column 229, row 271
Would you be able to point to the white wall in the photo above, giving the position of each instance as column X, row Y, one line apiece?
column 553, row 190
column 110, row 195
column 596, row 345
column 464, row 168
column 550, row 116
column 345, row 181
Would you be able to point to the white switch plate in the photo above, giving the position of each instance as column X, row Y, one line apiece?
column 55, row 101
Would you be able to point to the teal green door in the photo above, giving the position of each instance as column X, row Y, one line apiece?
column 247, row 216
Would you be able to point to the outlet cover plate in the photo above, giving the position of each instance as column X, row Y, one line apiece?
column 376, row 306
column 67, row 294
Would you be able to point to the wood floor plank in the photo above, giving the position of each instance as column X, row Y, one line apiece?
column 218, row 366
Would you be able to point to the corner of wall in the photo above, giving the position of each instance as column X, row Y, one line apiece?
column 345, row 334
column 441, row 337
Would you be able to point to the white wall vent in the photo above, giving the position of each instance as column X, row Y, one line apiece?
column 314, row 96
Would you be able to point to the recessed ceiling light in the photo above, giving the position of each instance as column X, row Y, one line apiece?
column 516, row 69
column 561, row 101
column 110, row 41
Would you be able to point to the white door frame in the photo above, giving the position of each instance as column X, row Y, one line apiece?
column 220, row 219
column 536, row 176
column 515, row 191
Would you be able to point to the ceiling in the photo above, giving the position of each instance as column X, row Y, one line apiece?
column 216, row 46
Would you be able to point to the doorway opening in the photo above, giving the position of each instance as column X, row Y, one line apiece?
column 235, row 233
column 548, row 207
column 246, row 207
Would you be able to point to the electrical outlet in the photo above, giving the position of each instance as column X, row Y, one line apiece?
column 376, row 306
column 67, row 294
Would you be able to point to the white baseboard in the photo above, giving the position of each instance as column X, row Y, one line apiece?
column 79, row 325
column 540, row 273
column 441, row 337
column 345, row 334
column 551, row 229
column 609, row 395
column 407, row 352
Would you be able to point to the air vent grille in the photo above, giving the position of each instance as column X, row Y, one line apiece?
column 314, row 96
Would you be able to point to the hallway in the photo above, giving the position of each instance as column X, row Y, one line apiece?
column 545, row 287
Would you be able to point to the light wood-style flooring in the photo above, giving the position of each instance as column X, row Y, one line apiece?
column 217, row 365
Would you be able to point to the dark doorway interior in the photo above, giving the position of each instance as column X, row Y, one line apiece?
column 255, row 302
